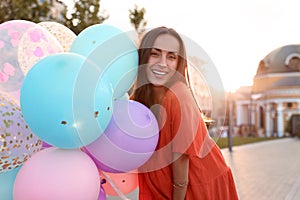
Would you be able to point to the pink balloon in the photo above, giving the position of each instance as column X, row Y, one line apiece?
column 123, row 182
column 128, row 141
column 55, row 173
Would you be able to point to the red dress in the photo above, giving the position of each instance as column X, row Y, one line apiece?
column 184, row 131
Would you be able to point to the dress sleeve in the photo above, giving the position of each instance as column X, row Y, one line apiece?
column 188, row 129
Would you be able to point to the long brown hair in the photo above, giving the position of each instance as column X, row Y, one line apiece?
column 143, row 91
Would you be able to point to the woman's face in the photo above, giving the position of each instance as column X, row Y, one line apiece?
column 163, row 60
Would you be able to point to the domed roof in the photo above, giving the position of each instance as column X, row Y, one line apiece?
column 283, row 59
column 286, row 82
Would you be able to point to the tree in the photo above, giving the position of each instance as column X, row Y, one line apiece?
column 85, row 14
column 137, row 20
column 30, row 10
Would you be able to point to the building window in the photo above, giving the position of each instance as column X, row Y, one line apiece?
column 292, row 61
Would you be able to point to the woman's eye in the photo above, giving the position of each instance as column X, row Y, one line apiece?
column 154, row 54
column 172, row 57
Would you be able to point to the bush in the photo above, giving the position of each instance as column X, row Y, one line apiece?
column 236, row 141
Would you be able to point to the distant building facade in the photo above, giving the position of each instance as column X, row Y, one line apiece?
column 268, row 106
column 57, row 7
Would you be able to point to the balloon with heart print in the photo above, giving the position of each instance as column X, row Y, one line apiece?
column 35, row 44
column 11, row 75
column 63, row 34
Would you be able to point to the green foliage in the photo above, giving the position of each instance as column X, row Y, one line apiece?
column 85, row 14
column 29, row 10
column 236, row 141
column 137, row 20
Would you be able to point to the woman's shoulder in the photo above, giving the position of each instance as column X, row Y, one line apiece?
column 179, row 86
column 179, row 97
column 180, row 91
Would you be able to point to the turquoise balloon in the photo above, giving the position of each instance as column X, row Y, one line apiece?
column 62, row 102
column 91, row 37
column 113, row 51
column 7, row 180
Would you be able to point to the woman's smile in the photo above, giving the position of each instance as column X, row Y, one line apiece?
column 159, row 73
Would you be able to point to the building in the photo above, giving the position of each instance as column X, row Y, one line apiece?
column 57, row 7
column 271, row 106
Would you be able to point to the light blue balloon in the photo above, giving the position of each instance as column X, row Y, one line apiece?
column 91, row 37
column 119, row 60
column 62, row 103
column 7, row 180
column 124, row 97
column 113, row 51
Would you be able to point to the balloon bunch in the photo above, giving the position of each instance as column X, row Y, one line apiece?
column 73, row 96
column 22, row 44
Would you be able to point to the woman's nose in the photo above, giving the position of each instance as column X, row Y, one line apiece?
column 163, row 60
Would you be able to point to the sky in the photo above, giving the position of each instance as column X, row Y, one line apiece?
column 235, row 34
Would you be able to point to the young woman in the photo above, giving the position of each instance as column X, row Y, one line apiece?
column 187, row 164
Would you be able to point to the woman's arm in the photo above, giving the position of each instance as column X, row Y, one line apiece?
column 180, row 170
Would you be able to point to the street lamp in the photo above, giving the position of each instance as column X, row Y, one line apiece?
column 230, row 131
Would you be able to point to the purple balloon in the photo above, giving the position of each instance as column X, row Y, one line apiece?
column 102, row 195
column 45, row 145
column 128, row 141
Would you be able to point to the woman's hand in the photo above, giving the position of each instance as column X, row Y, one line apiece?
column 180, row 170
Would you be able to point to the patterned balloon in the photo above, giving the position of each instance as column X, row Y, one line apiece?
column 63, row 34
column 11, row 75
column 34, row 45
column 17, row 142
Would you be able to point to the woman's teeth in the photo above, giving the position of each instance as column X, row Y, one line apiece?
column 159, row 72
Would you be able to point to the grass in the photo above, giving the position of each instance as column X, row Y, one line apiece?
column 236, row 141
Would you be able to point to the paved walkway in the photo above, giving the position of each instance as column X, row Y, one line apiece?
column 263, row 171
column 267, row 170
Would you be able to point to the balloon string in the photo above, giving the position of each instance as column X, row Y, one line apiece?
column 116, row 189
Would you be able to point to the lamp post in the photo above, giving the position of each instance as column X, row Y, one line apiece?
column 230, row 130
column 250, row 118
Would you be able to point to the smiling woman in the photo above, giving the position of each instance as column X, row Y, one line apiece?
column 186, row 164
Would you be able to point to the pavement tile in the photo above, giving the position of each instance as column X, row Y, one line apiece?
column 267, row 170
